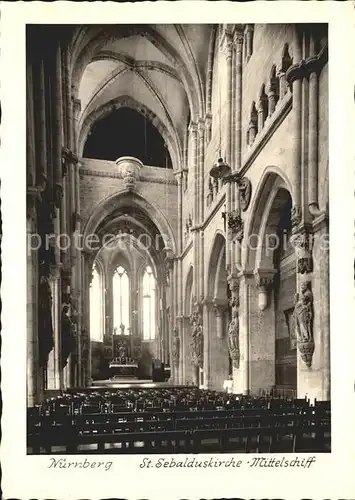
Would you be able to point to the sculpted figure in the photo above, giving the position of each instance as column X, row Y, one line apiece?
column 303, row 313
column 233, row 338
column 68, row 338
column 45, row 326
column 176, row 347
column 197, row 344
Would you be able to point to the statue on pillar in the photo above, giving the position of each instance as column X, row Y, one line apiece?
column 303, row 316
column 68, row 341
column 45, row 325
column 233, row 337
column 197, row 337
column 122, row 328
column 175, row 351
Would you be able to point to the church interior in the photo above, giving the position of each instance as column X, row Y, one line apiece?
column 177, row 229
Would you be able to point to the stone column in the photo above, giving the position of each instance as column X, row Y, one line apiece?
column 313, row 138
column 42, row 123
column 228, row 47
column 187, row 375
column 193, row 132
column 33, row 369
column 207, row 331
column 249, row 40
column 312, row 328
column 238, row 100
column 294, row 76
column 218, row 346
column 54, row 369
column 201, row 162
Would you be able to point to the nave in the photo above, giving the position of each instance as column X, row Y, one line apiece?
column 180, row 174
column 175, row 419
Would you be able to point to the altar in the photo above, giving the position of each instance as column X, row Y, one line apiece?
column 123, row 353
column 123, row 368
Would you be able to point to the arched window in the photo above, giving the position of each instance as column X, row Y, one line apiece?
column 96, row 306
column 121, row 293
column 149, row 305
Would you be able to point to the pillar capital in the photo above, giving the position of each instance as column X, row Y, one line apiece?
column 264, row 279
column 227, row 44
column 193, row 127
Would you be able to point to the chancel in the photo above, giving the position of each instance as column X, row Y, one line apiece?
column 180, row 174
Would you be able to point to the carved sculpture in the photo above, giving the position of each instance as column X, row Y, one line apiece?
column 303, row 316
column 45, row 326
column 197, row 336
column 233, row 338
column 296, row 216
column 175, row 351
column 235, row 224
column 244, row 187
column 68, row 341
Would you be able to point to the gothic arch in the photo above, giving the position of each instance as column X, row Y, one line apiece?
column 111, row 203
column 84, row 54
column 272, row 181
column 166, row 130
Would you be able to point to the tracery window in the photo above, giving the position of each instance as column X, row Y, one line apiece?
column 121, row 295
column 96, row 306
column 149, row 305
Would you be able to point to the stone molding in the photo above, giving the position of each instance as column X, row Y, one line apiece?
column 115, row 175
column 273, row 123
column 304, row 68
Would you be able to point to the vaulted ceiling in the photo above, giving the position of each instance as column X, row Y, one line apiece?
column 160, row 70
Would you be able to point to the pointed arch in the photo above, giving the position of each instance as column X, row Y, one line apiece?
column 166, row 129
column 96, row 39
column 135, row 200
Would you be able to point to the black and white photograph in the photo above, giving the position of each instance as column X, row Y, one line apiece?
column 178, row 244
column 177, row 218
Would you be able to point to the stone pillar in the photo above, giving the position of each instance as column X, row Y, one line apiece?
column 313, row 138
column 218, row 346
column 312, row 311
column 193, row 132
column 249, row 40
column 228, row 47
column 238, row 100
column 294, row 76
column 54, row 369
column 207, row 331
column 42, row 123
column 201, row 162
column 33, row 375
column 262, row 332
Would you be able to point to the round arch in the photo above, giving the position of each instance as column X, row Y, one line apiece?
column 263, row 200
column 216, row 269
